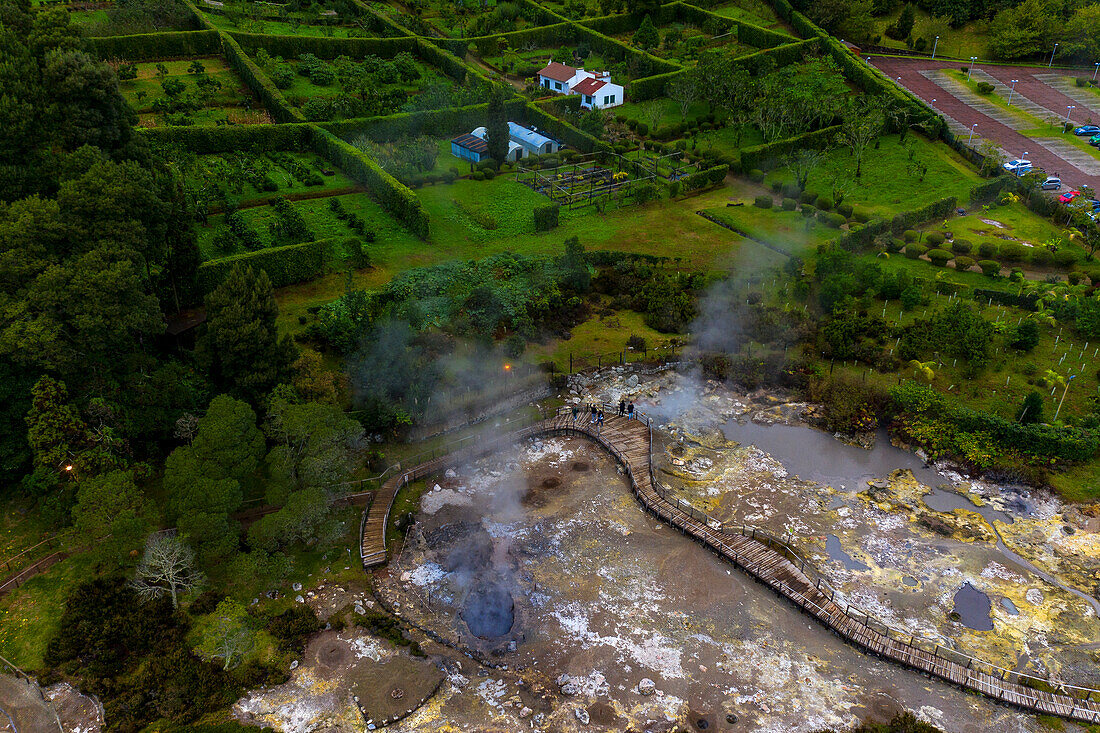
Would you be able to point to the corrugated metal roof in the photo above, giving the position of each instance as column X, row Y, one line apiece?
column 528, row 136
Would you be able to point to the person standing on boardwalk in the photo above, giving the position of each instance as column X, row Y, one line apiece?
column 593, row 420
column 599, row 423
column 575, row 411
column 630, row 411
column 622, row 406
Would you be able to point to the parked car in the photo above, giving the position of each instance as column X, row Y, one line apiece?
column 1087, row 130
column 1017, row 166
column 1069, row 196
column 1051, row 184
column 1095, row 141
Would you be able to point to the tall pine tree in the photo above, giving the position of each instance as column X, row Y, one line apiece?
column 496, row 127
column 240, row 347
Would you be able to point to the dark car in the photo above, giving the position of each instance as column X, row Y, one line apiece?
column 1087, row 130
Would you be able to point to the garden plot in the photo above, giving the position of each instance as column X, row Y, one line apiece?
column 747, row 11
column 219, row 182
column 367, row 87
column 469, row 20
column 117, row 19
column 525, row 63
column 353, row 219
column 683, row 42
column 198, row 91
column 346, row 22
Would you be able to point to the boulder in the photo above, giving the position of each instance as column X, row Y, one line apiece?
column 582, row 716
column 647, row 687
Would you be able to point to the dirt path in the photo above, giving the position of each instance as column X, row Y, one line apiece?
column 961, row 114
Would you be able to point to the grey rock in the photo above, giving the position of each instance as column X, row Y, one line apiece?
column 582, row 716
column 647, row 687
column 294, row 664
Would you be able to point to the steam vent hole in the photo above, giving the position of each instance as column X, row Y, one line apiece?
column 488, row 610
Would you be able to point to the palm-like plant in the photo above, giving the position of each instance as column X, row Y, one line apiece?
column 923, row 370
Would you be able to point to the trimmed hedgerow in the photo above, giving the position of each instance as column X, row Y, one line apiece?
column 704, row 178
column 291, row 47
column 764, row 157
column 287, row 265
column 227, row 138
column 763, row 202
column 145, row 46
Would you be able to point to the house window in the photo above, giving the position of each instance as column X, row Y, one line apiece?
column 609, row 99
column 557, row 85
column 587, row 99
column 546, row 83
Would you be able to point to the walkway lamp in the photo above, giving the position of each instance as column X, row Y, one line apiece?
column 934, row 46
column 970, row 69
column 1097, row 65
column 1012, row 91
column 1069, row 109
column 972, row 129
column 1052, row 55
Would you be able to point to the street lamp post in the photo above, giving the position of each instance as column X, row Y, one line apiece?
column 1012, row 91
column 1097, row 65
column 972, row 129
column 1052, row 55
column 1020, row 167
column 934, row 45
column 1069, row 109
column 970, row 69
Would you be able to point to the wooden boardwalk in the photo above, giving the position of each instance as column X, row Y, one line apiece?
column 766, row 558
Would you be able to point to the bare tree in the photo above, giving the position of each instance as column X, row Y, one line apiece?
column 862, row 126
column 684, row 90
column 168, row 566
column 803, row 163
column 653, row 112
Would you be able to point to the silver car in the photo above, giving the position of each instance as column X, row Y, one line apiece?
column 1051, row 184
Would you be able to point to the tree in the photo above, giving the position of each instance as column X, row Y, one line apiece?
column 496, row 128
column 1031, row 411
column 647, row 37
column 228, row 440
column 902, row 28
column 1026, row 29
column 1026, row 335
column 1082, row 33
column 803, row 163
column 107, row 504
column 167, row 567
column 862, row 125
column 684, row 90
column 240, row 347
column 859, row 24
column 228, row 637
column 317, row 443
column 313, row 382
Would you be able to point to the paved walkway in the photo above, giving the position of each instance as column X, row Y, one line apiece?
column 921, row 77
column 768, row 559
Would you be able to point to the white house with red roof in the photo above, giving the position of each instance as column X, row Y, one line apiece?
column 596, row 89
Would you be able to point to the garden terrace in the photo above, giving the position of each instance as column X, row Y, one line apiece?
column 446, row 20
column 194, row 91
column 585, row 181
column 356, row 22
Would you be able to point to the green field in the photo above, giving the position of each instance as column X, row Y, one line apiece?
column 229, row 99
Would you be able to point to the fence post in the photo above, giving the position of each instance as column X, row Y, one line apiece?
column 570, row 362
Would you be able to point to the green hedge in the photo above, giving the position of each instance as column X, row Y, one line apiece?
column 258, row 82
column 391, row 194
column 290, row 47
column 863, row 238
column 762, row 156
column 651, row 87
column 436, row 123
column 613, row 51
column 287, row 265
column 986, row 191
column 558, row 129
column 546, row 217
column 229, row 138
column 386, row 27
column 704, row 178
column 147, row 46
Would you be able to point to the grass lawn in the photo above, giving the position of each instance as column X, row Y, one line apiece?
column 969, row 40
column 666, row 228
column 788, row 231
column 747, row 11
column 600, row 334
column 886, row 188
column 539, row 56
column 282, row 28
column 1018, row 222
column 670, row 110
column 233, row 100
column 29, row 615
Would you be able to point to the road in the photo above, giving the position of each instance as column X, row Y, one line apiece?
column 1038, row 92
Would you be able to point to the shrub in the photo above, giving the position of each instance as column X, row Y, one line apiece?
column 1065, row 258
column 789, row 204
column 1012, row 252
column 987, row 249
column 935, row 239
column 985, row 87
column 824, row 203
column 791, row 190
column 914, row 251
column 990, row 268
column 478, row 175
column 1082, row 81
column 777, row 186
column 808, row 210
column 1075, row 277
column 961, row 246
column 895, row 245
column 861, row 215
column 833, row 220
column 642, row 129
column 845, row 210
column 963, row 263
column 939, row 257
column 1041, row 256
column 756, row 175
column 808, row 197
column 763, row 202
column 546, row 217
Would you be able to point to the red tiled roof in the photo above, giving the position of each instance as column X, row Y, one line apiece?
column 589, row 86
column 558, row 72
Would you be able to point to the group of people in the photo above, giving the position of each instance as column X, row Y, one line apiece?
column 626, row 409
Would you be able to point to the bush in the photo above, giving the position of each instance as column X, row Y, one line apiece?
column 808, row 210
column 987, row 249
column 1075, row 277
column 756, row 175
column 824, row 203
column 861, row 215
column 985, row 87
column 844, row 210
column 935, row 239
column 909, row 235
column 939, row 257
column 791, row 190
column 789, row 204
column 777, row 186
column 1041, row 256
column 642, row 129
column 1082, row 81
column 1065, row 258
column 478, row 175
column 990, row 268
column 961, row 246
column 914, row 251
column 833, row 220
column 808, row 197
column 963, row 263
column 1012, row 252
column 763, row 202
column 546, row 217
